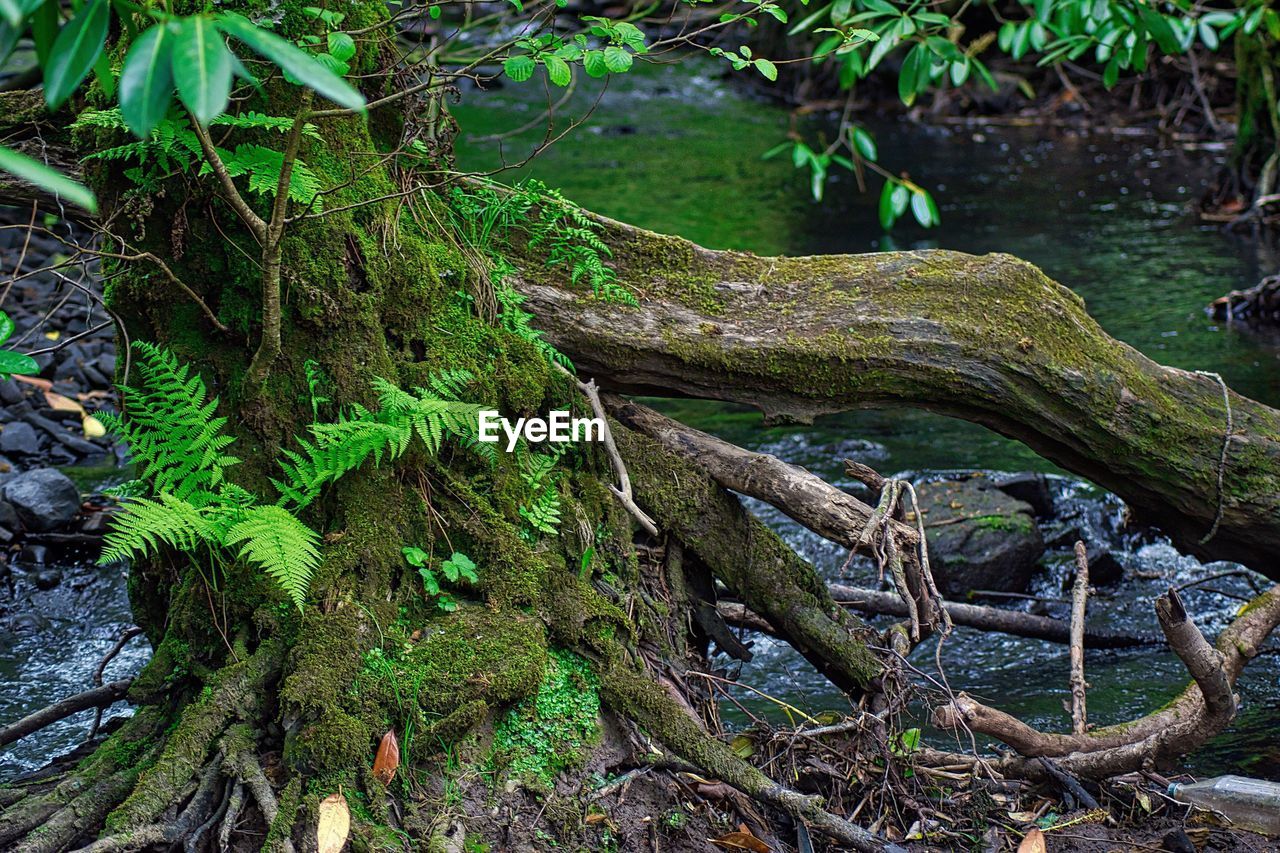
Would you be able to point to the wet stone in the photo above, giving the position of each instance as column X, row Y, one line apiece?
column 20, row 439
column 44, row 498
column 979, row 537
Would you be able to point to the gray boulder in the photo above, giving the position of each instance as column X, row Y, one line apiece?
column 19, row 438
column 44, row 498
column 979, row 537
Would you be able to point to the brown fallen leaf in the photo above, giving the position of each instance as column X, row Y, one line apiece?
column 387, row 759
column 334, row 824
column 1033, row 842
column 741, row 840
column 594, row 817
column 60, row 403
column 44, row 384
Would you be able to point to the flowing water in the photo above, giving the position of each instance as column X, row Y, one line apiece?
column 1109, row 217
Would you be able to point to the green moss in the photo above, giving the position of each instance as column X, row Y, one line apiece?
column 1015, row 523
column 549, row 732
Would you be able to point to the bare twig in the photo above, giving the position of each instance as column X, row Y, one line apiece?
column 1079, row 601
column 622, row 491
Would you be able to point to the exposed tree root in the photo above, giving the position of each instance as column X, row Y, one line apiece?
column 751, row 560
column 652, row 707
column 165, row 834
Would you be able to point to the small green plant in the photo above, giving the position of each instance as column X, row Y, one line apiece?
column 457, row 569
column 182, row 499
column 173, row 146
column 548, row 220
column 316, row 382
column 541, row 509
column 547, row 732
column 13, row 362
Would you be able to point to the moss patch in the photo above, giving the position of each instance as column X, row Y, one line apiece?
column 548, row 732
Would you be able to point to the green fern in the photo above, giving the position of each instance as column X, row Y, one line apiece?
column 263, row 167
column 174, row 146
column 146, row 525
column 280, row 544
column 171, row 430
column 359, row 434
column 182, row 500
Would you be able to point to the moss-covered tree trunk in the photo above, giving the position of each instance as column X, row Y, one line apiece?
column 556, row 660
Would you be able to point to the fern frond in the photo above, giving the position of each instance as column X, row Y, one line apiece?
column 543, row 513
column 171, row 430
column 263, row 167
column 144, row 525
column 281, row 545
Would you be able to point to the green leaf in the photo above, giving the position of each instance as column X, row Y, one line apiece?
column 44, row 30
column 202, row 68
column 900, row 199
column 42, row 176
column 414, row 556
column 342, row 46
column 16, row 362
column 146, row 81
column 593, row 62
column 75, row 51
column 922, row 208
column 15, row 11
column 913, row 67
column 1158, row 26
column 519, row 68
column 557, row 70
column 767, row 69
column 887, row 215
column 9, row 36
column 864, row 143
column 6, row 327
column 293, row 62
column 616, row 59
column 429, row 582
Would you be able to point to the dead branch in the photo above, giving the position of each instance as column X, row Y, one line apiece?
column 977, row 616
column 1079, row 601
column 1203, row 710
column 98, row 697
column 750, row 559
column 622, row 491
column 814, row 503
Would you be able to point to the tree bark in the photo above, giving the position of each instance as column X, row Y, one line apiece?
column 989, row 339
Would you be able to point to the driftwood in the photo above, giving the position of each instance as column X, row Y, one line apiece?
column 98, row 697
column 1205, row 708
column 989, row 339
column 983, row 618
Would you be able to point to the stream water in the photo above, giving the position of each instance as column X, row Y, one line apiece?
column 1109, row 217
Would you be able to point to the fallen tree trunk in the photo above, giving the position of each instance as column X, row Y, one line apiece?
column 989, row 339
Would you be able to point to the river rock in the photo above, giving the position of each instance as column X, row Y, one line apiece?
column 1031, row 488
column 979, row 537
column 47, row 579
column 44, row 498
column 19, row 439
